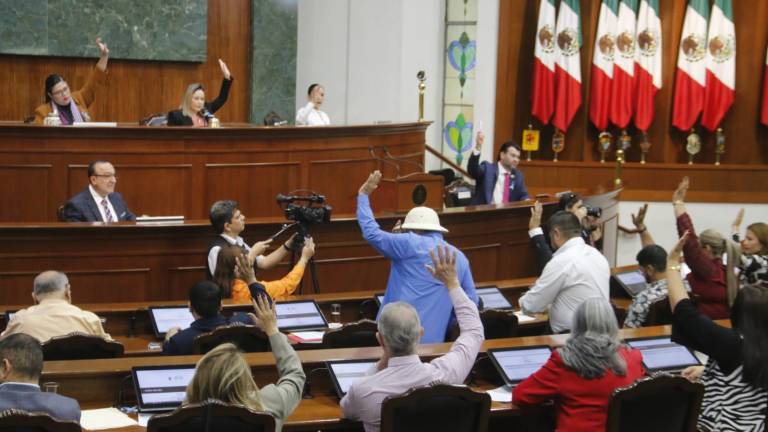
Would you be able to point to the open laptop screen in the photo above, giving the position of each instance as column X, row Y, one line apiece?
column 661, row 354
column 516, row 364
column 165, row 318
column 299, row 315
column 493, row 298
column 633, row 282
column 346, row 372
column 161, row 387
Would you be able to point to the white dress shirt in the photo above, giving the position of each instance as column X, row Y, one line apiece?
column 309, row 116
column 575, row 273
column 98, row 198
column 213, row 254
column 364, row 398
column 498, row 190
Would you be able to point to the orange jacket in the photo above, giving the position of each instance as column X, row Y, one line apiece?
column 83, row 97
column 279, row 289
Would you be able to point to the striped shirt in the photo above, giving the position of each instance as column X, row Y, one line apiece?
column 729, row 403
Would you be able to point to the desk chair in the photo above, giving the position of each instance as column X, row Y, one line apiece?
column 352, row 335
column 212, row 415
column 22, row 421
column 158, row 119
column 246, row 337
column 442, row 407
column 81, row 346
column 659, row 314
column 673, row 400
column 369, row 308
column 499, row 323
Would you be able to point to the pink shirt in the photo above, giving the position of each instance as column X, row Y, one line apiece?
column 363, row 400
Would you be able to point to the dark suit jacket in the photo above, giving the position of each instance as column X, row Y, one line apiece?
column 82, row 208
column 177, row 118
column 181, row 343
column 28, row 398
column 486, row 174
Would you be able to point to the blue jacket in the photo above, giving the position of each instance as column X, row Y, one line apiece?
column 30, row 398
column 486, row 174
column 181, row 343
column 82, row 208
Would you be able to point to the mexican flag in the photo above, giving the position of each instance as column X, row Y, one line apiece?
column 623, row 86
column 568, row 65
column 602, row 64
column 647, row 62
column 690, row 78
column 764, row 118
column 721, row 65
column 543, row 94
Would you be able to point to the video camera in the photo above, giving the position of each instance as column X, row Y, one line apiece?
column 314, row 212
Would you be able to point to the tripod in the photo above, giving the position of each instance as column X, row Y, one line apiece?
column 296, row 247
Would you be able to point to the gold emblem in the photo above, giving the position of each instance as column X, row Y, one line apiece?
column 568, row 41
column 626, row 45
column 546, row 39
column 648, row 42
column 722, row 48
column 693, row 47
column 607, row 44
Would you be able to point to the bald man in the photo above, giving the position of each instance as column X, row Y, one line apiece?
column 53, row 313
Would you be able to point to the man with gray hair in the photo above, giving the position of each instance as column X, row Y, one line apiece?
column 53, row 313
column 400, row 368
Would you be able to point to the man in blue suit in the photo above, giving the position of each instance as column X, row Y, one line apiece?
column 500, row 182
column 98, row 202
column 22, row 363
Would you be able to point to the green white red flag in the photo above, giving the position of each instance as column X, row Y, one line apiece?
column 623, row 85
column 568, row 64
column 602, row 64
column 690, row 78
column 543, row 94
column 647, row 62
column 721, row 65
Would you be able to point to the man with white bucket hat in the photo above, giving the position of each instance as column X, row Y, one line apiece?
column 409, row 279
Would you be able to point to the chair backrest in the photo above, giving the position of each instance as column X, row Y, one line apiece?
column 211, row 416
column 81, row 346
column 352, row 335
column 672, row 401
column 246, row 337
column 158, row 119
column 441, row 407
column 22, row 421
column 499, row 323
column 659, row 313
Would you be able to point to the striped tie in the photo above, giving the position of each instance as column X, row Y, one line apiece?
column 107, row 213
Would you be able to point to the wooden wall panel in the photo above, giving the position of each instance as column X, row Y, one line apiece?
column 180, row 279
column 138, row 88
column 98, row 286
column 24, row 192
column 324, row 177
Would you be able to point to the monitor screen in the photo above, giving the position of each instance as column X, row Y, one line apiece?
column 162, row 387
column 517, row 364
column 493, row 298
column 633, row 282
column 346, row 373
column 165, row 318
column 299, row 315
column 661, row 353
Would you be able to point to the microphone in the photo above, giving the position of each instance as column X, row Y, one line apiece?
column 206, row 114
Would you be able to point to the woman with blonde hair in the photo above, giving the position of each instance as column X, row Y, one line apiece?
column 714, row 283
column 194, row 110
column 223, row 373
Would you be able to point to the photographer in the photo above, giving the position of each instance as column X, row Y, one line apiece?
column 589, row 218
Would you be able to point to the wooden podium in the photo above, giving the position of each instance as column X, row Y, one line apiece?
column 403, row 193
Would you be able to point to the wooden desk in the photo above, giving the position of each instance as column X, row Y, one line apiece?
column 95, row 383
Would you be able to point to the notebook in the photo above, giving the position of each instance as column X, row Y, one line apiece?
column 167, row 317
column 493, row 298
column 161, row 388
column 516, row 364
column 344, row 373
column 661, row 354
column 299, row 315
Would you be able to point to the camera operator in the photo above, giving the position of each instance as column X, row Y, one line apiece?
column 589, row 217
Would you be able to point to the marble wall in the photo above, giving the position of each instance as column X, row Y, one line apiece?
column 174, row 30
column 273, row 58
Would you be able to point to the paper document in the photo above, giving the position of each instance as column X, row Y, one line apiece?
column 105, row 418
column 501, row 394
column 144, row 419
column 307, row 336
column 521, row 317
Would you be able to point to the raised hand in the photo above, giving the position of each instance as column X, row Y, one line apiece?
column 224, row 70
column 265, row 316
column 103, row 50
column 682, row 188
column 736, row 225
column 309, row 248
column 479, row 140
column 244, row 269
column 259, row 248
column 536, row 211
column 371, row 183
column 443, row 266
column 677, row 251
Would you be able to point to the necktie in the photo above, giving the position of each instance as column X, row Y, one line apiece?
column 505, row 197
column 107, row 213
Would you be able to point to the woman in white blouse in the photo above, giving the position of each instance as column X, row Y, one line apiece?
column 310, row 114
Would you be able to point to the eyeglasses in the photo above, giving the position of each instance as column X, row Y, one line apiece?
column 107, row 176
column 61, row 92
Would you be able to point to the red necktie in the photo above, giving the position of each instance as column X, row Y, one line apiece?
column 505, row 196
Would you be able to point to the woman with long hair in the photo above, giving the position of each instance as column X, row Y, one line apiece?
column 753, row 263
column 735, row 377
column 194, row 110
column 583, row 373
column 714, row 283
column 223, row 373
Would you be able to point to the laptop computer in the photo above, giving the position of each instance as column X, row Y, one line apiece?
column 300, row 315
column 632, row 282
column 166, row 317
column 661, row 354
column 517, row 364
column 161, row 388
column 344, row 373
column 493, row 298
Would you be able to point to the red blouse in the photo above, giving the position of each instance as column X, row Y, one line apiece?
column 582, row 403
